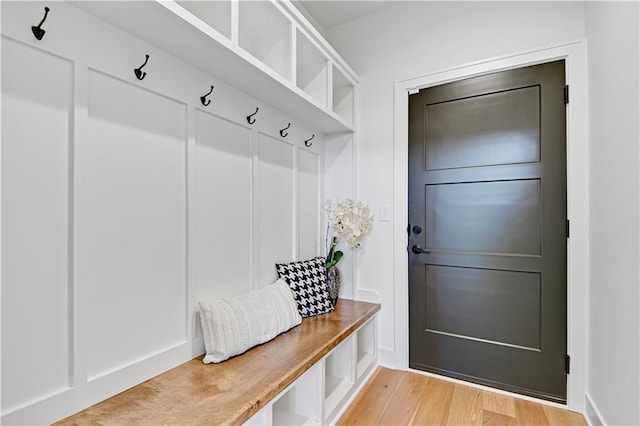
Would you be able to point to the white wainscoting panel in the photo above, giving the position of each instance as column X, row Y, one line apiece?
column 36, row 116
column 131, row 216
column 339, row 181
column 126, row 201
column 309, row 208
column 276, row 206
column 223, row 224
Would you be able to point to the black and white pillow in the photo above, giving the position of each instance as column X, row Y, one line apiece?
column 308, row 281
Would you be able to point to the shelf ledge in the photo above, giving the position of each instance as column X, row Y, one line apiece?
column 234, row 390
column 181, row 34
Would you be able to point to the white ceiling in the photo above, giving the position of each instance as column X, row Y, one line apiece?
column 329, row 13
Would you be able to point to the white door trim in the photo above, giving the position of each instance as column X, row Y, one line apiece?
column 574, row 53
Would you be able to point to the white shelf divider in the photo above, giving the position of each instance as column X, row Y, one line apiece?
column 343, row 96
column 366, row 349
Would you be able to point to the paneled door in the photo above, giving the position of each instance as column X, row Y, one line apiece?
column 487, row 230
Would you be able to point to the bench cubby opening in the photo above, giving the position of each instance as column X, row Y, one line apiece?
column 300, row 405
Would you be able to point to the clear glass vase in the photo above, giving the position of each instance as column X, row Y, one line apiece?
column 333, row 283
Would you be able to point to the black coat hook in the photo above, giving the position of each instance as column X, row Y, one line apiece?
column 251, row 120
column 138, row 71
column 37, row 31
column 204, row 99
column 308, row 143
column 283, row 133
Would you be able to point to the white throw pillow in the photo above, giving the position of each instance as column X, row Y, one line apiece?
column 232, row 326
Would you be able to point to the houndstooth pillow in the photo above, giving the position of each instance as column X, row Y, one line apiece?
column 308, row 281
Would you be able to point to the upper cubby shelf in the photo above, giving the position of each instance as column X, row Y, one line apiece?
column 265, row 33
column 264, row 48
column 216, row 14
column 342, row 95
column 311, row 70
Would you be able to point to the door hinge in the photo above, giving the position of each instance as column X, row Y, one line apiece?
column 566, row 94
column 567, row 230
column 413, row 90
column 567, row 363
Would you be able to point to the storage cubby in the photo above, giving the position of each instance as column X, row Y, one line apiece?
column 300, row 405
column 338, row 375
column 265, row 33
column 342, row 96
column 311, row 69
column 216, row 14
column 366, row 353
column 261, row 47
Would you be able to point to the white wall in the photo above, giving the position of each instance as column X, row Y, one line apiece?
column 614, row 323
column 124, row 202
column 413, row 39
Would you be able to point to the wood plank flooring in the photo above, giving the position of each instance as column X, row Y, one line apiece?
column 395, row 397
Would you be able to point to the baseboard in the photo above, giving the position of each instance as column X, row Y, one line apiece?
column 387, row 358
column 591, row 412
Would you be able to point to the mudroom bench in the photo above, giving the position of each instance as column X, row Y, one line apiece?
column 304, row 376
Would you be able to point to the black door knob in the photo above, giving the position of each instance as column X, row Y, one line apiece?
column 419, row 250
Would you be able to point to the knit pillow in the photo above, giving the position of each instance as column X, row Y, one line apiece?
column 308, row 281
column 232, row 326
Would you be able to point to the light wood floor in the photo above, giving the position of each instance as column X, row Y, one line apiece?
column 402, row 398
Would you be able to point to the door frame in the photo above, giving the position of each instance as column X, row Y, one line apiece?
column 574, row 54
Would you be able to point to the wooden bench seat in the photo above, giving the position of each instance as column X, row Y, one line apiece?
column 233, row 391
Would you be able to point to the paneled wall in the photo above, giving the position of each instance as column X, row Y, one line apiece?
column 223, row 154
column 36, row 295
column 124, row 202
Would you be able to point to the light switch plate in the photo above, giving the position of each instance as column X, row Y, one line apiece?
column 385, row 213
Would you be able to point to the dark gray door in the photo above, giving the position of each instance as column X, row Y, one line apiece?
column 487, row 233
